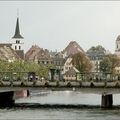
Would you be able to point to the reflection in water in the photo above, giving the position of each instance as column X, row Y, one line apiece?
column 65, row 97
column 60, row 97
column 59, row 114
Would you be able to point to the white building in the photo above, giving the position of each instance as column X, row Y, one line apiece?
column 117, row 46
column 67, row 66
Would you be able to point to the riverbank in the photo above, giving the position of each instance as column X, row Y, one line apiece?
column 61, row 106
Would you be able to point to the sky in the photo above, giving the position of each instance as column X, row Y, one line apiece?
column 53, row 24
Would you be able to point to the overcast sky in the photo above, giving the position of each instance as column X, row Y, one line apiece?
column 52, row 25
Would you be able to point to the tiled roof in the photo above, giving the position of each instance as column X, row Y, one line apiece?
column 5, row 44
column 72, row 71
column 7, row 53
column 20, row 53
column 37, row 52
column 72, row 48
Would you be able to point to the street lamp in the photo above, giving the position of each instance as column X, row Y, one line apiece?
column 97, row 67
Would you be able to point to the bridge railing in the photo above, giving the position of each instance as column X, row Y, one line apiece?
column 97, row 76
column 13, row 76
column 93, row 76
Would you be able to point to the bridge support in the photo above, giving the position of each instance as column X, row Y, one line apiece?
column 107, row 101
column 28, row 93
column 6, row 99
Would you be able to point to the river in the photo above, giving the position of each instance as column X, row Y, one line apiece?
column 32, row 110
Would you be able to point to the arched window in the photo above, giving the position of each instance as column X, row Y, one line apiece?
column 15, row 47
column 117, row 46
column 19, row 47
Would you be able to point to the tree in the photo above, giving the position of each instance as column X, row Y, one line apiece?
column 97, row 48
column 109, row 63
column 21, row 68
column 106, row 65
column 82, row 62
column 40, row 69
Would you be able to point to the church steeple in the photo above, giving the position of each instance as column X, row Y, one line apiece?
column 17, row 41
column 17, row 30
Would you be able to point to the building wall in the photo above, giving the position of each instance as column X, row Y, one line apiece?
column 69, row 77
column 17, row 44
column 96, row 65
column 67, row 65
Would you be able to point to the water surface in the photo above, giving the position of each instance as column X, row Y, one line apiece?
column 60, row 97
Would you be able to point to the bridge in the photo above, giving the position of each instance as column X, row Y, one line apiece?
column 106, row 87
column 109, row 87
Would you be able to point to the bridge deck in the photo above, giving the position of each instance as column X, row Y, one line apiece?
column 86, row 87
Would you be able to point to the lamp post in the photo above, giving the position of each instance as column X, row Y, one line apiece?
column 97, row 68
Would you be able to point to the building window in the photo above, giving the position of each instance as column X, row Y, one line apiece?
column 66, row 68
column 17, row 41
column 19, row 47
column 15, row 47
column 117, row 46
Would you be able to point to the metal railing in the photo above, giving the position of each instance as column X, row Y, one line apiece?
column 97, row 76
column 14, row 76
column 93, row 76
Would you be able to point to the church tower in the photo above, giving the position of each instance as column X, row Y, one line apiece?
column 117, row 46
column 17, row 41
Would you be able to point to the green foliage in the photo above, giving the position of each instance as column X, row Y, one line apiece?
column 97, row 48
column 100, row 48
column 106, row 65
column 20, row 66
column 109, row 63
column 82, row 62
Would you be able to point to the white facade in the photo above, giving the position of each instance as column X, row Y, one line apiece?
column 95, row 65
column 117, row 46
column 67, row 65
column 17, row 43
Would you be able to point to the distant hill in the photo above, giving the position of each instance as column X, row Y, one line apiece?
column 72, row 48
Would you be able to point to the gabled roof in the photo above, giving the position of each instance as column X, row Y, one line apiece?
column 72, row 71
column 72, row 48
column 5, row 44
column 17, row 30
column 7, row 53
column 37, row 52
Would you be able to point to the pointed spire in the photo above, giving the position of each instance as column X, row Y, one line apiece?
column 17, row 30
